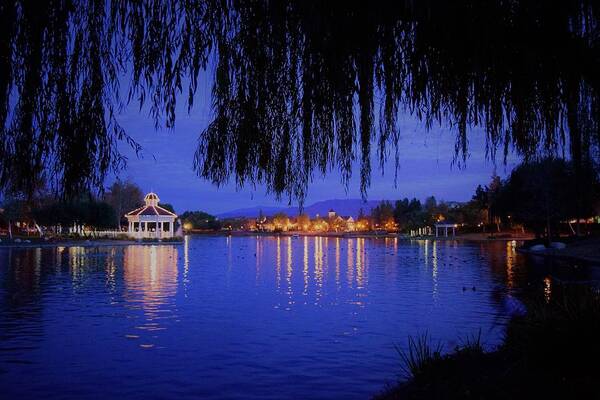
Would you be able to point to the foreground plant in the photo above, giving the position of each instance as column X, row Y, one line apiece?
column 551, row 352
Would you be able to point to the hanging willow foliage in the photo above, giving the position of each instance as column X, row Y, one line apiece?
column 298, row 86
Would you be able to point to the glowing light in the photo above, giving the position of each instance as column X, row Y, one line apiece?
column 318, row 253
column 305, row 269
column 350, row 269
column 547, row 289
column 337, row 262
column 186, row 261
column 278, row 262
column 434, row 269
column 150, row 275
column 289, row 271
column 359, row 262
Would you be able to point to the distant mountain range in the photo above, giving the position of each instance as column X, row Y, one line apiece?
column 344, row 207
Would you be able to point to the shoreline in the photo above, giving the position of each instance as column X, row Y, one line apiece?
column 40, row 243
column 564, row 254
column 85, row 243
column 584, row 249
column 468, row 237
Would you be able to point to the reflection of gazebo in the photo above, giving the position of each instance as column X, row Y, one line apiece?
column 445, row 227
column 151, row 220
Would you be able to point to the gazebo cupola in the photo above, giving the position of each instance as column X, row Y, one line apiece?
column 151, row 199
column 151, row 220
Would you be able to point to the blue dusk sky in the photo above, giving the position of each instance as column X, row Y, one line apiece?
column 165, row 166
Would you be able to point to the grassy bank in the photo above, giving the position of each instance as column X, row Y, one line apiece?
column 552, row 352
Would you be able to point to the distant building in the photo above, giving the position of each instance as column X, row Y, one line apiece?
column 350, row 224
column 151, row 220
column 338, row 223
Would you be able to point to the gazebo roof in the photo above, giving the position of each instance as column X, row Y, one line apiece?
column 150, row 210
column 151, row 207
column 446, row 224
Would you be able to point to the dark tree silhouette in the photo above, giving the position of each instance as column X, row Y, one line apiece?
column 83, row 211
column 200, row 220
column 298, row 86
column 408, row 214
column 540, row 194
column 383, row 212
column 123, row 196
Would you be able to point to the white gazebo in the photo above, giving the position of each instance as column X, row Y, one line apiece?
column 445, row 227
column 151, row 221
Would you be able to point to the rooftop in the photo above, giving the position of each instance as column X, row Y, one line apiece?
column 151, row 207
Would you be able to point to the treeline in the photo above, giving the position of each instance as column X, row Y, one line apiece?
column 86, row 211
column 411, row 214
column 45, row 212
column 401, row 215
column 544, row 195
column 200, row 220
column 538, row 196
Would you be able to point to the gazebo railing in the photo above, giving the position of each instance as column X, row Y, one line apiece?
column 112, row 234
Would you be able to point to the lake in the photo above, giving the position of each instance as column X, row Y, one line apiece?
column 245, row 317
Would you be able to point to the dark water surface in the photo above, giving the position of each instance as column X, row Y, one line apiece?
column 243, row 317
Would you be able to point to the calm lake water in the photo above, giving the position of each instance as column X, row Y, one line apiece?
column 244, row 317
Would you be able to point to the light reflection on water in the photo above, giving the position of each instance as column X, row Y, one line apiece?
column 243, row 317
column 150, row 275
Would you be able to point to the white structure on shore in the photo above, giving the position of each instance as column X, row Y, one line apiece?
column 151, row 221
column 445, row 227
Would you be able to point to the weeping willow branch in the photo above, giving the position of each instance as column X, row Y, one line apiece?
column 299, row 87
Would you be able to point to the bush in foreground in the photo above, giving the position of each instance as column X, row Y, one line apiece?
column 552, row 352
